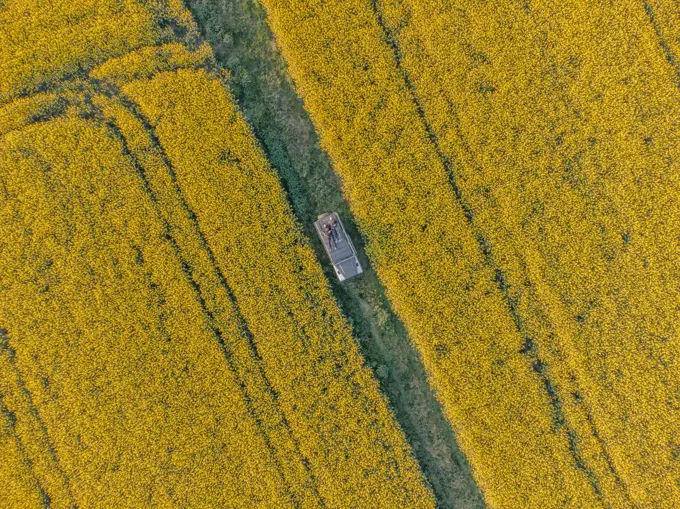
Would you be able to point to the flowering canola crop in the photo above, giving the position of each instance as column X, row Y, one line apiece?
column 20, row 486
column 166, row 335
column 513, row 168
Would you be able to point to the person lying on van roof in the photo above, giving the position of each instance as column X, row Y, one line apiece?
column 329, row 235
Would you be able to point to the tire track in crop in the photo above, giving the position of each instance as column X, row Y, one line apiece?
column 578, row 399
column 242, row 323
column 107, row 89
column 570, row 106
column 219, row 336
column 577, row 393
column 530, row 349
column 188, row 274
column 10, row 354
column 667, row 50
column 212, row 321
column 610, row 463
column 11, row 419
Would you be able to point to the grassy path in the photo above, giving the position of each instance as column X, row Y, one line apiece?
column 242, row 42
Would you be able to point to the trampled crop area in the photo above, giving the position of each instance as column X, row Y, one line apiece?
column 513, row 167
column 160, row 345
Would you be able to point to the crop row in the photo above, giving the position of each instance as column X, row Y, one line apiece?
column 329, row 399
column 565, row 153
column 43, row 43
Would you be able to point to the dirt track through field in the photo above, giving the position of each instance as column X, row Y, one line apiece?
column 267, row 97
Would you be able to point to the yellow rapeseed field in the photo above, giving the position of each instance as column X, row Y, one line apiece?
column 106, row 335
column 325, row 415
column 166, row 335
column 578, row 203
column 513, row 167
column 20, row 485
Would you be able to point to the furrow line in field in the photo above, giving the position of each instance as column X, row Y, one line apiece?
column 118, row 218
column 25, row 394
column 570, row 105
column 285, row 301
column 606, row 455
column 530, row 348
column 574, row 384
column 667, row 50
column 132, row 107
column 188, row 273
column 85, row 91
column 212, row 321
column 11, row 419
column 472, row 162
